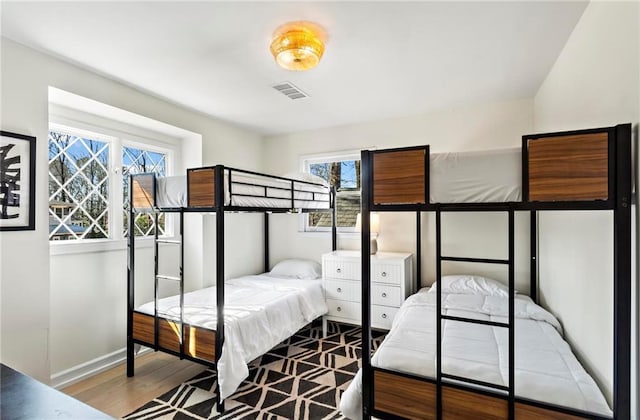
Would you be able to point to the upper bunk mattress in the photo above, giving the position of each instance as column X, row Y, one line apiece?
column 259, row 312
column 476, row 177
column 248, row 190
column 460, row 177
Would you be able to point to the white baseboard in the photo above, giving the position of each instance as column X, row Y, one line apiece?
column 92, row 367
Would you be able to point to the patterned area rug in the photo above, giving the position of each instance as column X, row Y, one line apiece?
column 301, row 378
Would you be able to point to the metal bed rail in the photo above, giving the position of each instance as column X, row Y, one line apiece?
column 255, row 185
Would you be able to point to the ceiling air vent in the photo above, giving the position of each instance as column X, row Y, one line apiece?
column 290, row 90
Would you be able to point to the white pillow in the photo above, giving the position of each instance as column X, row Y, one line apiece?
column 298, row 269
column 471, row 285
column 306, row 177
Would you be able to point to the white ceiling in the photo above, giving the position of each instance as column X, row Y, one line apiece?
column 382, row 60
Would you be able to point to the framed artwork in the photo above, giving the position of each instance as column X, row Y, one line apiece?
column 17, row 181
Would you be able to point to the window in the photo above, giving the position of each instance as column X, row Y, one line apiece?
column 88, row 199
column 343, row 172
column 78, row 187
column 138, row 161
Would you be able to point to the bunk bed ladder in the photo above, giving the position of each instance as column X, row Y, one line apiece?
column 510, row 325
column 157, row 277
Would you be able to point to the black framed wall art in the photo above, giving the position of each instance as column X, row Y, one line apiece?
column 17, row 181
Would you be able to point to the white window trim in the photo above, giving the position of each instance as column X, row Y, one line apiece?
column 305, row 163
column 87, row 246
column 76, row 122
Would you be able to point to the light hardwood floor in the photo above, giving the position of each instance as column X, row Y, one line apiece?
column 116, row 395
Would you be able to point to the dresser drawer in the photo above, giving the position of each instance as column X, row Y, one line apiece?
column 383, row 294
column 342, row 269
column 343, row 290
column 386, row 273
column 344, row 309
column 382, row 316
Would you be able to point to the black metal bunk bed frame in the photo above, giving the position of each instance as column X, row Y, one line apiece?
column 619, row 201
column 219, row 208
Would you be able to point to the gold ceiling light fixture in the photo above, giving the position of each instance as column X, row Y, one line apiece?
column 298, row 45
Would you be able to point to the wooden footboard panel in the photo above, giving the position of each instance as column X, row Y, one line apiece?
column 529, row 412
column 143, row 190
column 404, row 396
column 199, row 342
column 459, row 404
column 415, row 398
column 400, row 176
column 201, row 187
column 568, row 167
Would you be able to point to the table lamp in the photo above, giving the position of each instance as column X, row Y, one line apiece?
column 374, row 228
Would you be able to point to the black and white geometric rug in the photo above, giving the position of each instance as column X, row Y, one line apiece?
column 301, row 378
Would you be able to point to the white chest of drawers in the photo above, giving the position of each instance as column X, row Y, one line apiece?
column 391, row 283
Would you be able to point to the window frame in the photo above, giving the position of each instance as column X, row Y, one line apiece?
column 305, row 166
column 87, row 134
column 78, row 123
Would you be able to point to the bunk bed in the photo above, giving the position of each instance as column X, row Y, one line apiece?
column 226, row 326
column 424, row 369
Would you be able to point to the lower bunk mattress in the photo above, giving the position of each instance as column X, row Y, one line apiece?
column 545, row 368
column 260, row 312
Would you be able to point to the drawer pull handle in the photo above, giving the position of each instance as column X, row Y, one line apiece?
column 339, row 290
column 384, row 294
column 338, row 270
column 384, row 316
column 384, row 274
column 339, row 309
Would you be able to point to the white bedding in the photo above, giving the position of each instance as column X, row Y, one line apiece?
column 464, row 177
column 171, row 192
column 476, row 177
column 260, row 312
column 546, row 369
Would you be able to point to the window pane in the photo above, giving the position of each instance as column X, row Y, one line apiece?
column 78, row 187
column 345, row 176
column 138, row 161
column 348, row 205
column 349, row 174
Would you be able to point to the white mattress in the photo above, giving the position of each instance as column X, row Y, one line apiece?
column 476, row 177
column 546, row 369
column 171, row 192
column 466, row 177
column 260, row 312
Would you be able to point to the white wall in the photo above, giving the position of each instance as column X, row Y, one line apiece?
column 82, row 274
column 476, row 127
column 86, row 290
column 594, row 83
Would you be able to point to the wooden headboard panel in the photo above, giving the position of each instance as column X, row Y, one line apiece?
column 400, row 176
column 201, row 187
column 572, row 167
column 143, row 188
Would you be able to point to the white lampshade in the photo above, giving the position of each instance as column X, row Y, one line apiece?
column 374, row 222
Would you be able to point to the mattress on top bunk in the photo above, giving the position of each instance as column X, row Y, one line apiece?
column 475, row 177
column 459, row 177
column 171, row 192
column 546, row 369
column 260, row 312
